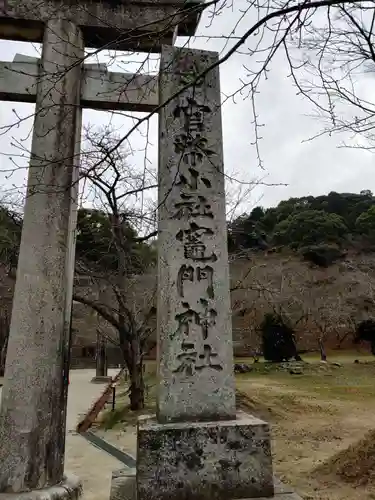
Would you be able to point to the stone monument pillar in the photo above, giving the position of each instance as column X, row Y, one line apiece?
column 197, row 447
column 101, row 356
column 33, row 408
column 101, row 367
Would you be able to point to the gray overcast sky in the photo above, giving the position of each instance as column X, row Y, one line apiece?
column 314, row 167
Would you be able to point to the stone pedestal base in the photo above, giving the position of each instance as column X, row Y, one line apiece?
column 123, row 487
column 204, row 460
column 69, row 489
column 101, row 379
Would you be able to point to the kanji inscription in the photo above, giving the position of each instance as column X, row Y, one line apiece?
column 191, row 362
column 205, row 317
column 192, row 206
column 191, row 180
column 194, row 324
column 192, row 275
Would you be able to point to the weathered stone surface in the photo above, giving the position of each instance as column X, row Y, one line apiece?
column 123, row 485
column 242, row 368
column 70, row 488
column 194, row 322
column 100, row 89
column 119, row 91
column 101, row 379
column 18, row 81
column 282, row 491
column 33, row 409
column 281, row 487
column 281, row 496
column 130, row 25
column 204, row 460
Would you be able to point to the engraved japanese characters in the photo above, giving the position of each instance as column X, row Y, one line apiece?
column 196, row 447
column 194, row 327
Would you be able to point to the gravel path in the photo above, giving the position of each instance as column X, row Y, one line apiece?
column 93, row 466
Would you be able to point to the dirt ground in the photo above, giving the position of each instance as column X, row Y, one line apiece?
column 312, row 416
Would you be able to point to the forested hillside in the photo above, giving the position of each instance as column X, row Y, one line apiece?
column 333, row 222
column 310, row 260
column 340, row 220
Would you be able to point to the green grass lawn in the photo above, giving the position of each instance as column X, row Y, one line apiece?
column 313, row 417
column 319, row 380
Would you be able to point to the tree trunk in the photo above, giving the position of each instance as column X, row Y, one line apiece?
column 133, row 360
column 101, row 355
column 297, row 357
column 4, row 336
column 128, row 335
column 3, row 355
column 323, row 355
column 341, row 340
column 137, row 387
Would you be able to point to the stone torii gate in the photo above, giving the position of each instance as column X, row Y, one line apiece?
column 197, row 447
column 34, row 396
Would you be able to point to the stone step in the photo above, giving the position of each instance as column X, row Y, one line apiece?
column 123, row 487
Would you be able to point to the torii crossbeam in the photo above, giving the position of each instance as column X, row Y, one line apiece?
column 34, row 395
column 100, row 89
column 34, row 385
column 125, row 25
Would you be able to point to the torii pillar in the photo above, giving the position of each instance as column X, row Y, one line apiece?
column 33, row 407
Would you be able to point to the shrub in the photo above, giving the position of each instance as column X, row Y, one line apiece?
column 322, row 255
column 310, row 227
column 277, row 338
column 366, row 331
